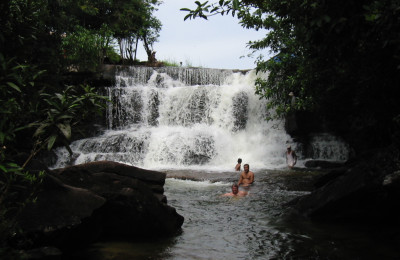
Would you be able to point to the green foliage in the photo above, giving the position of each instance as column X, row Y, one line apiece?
column 204, row 10
column 140, row 24
column 54, row 118
column 112, row 56
column 85, row 49
column 170, row 63
column 37, row 111
column 174, row 63
column 64, row 111
column 17, row 102
column 17, row 189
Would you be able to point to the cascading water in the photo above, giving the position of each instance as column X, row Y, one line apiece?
column 328, row 147
column 163, row 118
column 184, row 117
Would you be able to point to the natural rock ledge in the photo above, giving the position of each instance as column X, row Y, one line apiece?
column 365, row 191
column 80, row 204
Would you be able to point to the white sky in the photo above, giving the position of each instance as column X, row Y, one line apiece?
column 218, row 42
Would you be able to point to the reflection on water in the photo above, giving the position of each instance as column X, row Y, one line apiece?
column 251, row 227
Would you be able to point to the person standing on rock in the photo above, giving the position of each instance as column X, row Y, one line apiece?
column 238, row 165
column 291, row 157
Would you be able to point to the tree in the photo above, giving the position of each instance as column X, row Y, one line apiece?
column 131, row 21
column 85, row 50
column 37, row 110
column 149, row 35
column 340, row 59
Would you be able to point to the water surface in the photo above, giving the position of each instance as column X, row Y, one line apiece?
column 253, row 227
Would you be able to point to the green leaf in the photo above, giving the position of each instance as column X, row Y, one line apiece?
column 60, row 96
column 41, row 129
column 38, row 74
column 65, row 129
column 64, row 117
column 187, row 16
column 21, row 128
column 214, row 9
column 51, row 142
column 235, row 4
column 13, row 165
column 4, row 169
column 14, row 86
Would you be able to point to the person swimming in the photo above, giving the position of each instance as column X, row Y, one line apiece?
column 235, row 192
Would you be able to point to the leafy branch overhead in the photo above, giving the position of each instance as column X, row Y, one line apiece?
column 339, row 59
column 205, row 10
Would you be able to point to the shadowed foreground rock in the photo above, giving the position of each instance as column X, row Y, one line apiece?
column 365, row 191
column 83, row 203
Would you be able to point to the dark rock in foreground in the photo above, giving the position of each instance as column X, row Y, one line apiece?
column 365, row 191
column 83, row 203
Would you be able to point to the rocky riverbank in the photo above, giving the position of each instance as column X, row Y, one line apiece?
column 364, row 190
column 80, row 204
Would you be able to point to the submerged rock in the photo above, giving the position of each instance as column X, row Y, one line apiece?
column 83, row 203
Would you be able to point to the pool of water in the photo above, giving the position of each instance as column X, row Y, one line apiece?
column 256, row 226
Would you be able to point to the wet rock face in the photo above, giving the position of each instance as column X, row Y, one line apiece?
column 240, row 103
column 365, row 191
column 154, row 102
column 80, row 204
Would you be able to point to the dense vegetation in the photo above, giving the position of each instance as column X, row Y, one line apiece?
column 341, row 59
column 41, row 43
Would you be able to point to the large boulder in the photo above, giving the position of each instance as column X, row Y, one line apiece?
column 107, row 176
column 364, row 191
column 79, row 204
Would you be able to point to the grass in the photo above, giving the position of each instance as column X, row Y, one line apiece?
column 174, row 63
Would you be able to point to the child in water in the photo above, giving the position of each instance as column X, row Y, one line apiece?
column 238, row 165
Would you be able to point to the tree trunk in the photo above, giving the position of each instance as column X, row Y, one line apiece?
column 151, row 55
column 137, row 41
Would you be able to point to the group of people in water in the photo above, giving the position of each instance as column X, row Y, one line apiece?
column 246, row 178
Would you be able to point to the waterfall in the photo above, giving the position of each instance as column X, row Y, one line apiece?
column 325, row 146
column 192, row 118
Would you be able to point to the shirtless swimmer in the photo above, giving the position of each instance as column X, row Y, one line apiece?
column 246, row 177
column 235, row 192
